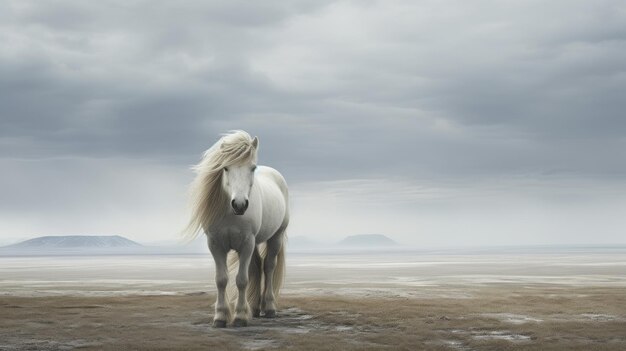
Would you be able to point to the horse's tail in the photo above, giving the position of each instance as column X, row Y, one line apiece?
column 232, row 262
column 279, row 271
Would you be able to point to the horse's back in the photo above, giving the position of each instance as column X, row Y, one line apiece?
column 275, row 201
column 277, row 178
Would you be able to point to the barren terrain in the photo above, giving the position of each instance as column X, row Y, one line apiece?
column 434, row 302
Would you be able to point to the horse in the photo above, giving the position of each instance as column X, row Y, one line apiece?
column 244, row 208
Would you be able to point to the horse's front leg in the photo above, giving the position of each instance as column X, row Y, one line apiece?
column 222, row 310
column 242, row 310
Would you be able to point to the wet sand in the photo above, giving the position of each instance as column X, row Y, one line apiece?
column 573, row 301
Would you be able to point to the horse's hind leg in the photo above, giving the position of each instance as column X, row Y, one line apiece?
column 242, row 310
column 222, row 310
column 268, row 300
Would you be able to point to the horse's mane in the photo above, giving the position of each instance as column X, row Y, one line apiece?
column 209, row 201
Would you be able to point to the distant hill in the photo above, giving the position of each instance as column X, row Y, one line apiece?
column 76, row 241
column 367, row 240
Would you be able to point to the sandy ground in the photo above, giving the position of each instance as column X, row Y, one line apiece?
column 497, row 318
column 407, row 302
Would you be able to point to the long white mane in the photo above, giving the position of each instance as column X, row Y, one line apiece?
column 209, row 201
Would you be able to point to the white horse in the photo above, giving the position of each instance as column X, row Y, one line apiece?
column 244, row 208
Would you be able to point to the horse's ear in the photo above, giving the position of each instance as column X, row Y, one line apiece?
column 255, row 142
column 222, row 146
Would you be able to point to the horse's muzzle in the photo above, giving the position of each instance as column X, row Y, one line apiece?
column 239, row 207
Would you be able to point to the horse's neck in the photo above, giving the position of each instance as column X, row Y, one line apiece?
column 218, row 203
column 222, row 197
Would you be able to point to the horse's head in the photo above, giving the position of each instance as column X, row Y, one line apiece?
column 238, row 179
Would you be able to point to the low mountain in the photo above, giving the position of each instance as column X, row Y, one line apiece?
column 367, row 240
column 76, row 241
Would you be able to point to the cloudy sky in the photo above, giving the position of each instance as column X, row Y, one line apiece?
column 434, row 122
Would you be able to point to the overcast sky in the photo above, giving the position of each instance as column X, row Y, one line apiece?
column 434, row 122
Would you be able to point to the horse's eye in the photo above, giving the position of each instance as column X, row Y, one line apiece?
column 226, row 169
column 253, row 168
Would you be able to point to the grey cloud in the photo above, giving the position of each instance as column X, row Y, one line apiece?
column 423, row 89
column 425, row 112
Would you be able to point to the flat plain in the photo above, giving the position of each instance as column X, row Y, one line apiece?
column 523, row 300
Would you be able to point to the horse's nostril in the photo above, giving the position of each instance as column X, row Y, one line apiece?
column 239, row 206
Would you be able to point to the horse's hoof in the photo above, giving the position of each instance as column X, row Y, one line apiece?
column 238, row 322
column 270, row 314
column 219, row 324
column 256, row 313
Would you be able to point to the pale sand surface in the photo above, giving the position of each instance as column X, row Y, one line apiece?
column 525, row 301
